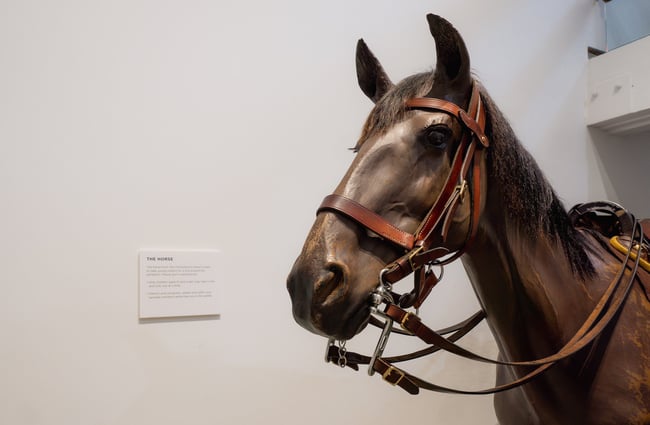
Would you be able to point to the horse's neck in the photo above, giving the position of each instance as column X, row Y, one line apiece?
column 526, row 285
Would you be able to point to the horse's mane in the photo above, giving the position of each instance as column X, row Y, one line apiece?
column 526, row 196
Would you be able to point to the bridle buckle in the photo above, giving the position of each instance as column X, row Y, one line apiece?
column 389, row 372
column 412, row 254
column 462, row 188
column 404, row 322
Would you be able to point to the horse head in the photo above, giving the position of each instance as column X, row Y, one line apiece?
column 403, row 159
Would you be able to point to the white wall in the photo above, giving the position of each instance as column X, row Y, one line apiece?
column 197, row 124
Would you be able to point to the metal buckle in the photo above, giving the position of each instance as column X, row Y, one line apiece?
column 412, row 254
column 389, row 371
column 405, row 319
column 462, row 187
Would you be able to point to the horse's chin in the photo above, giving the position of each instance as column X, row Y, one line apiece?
column 342, row 329
column 355, row 324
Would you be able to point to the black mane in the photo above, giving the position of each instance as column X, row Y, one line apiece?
column 527, row 197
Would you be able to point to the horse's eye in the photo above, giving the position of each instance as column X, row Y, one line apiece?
column 437, row 136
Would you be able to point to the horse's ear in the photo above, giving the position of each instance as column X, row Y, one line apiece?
column 452, row 65
column 371, row 75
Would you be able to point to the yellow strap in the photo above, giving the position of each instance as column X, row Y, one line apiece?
column 623, row 249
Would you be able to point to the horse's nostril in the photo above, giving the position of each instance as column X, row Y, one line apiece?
column 331, row 284
column 337, row 269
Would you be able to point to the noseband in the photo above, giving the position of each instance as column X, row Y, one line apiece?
column 421, row 254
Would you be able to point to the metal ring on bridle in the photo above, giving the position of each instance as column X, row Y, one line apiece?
column 383, row 291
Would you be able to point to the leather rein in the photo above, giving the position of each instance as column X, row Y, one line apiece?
column 420, row 257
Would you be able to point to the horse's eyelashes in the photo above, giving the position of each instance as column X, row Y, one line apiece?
column 436, row 135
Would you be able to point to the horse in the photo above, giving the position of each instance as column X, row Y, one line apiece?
column 439, row 174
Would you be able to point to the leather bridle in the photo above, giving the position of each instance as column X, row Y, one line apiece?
column 421, row 254
column 418, row 246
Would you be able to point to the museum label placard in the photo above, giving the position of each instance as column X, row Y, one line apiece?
column 178, row 283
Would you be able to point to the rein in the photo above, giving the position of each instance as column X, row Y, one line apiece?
column 421, row 255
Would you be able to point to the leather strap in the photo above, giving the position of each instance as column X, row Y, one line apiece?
column 590, row 329
column 606, row 309
column 353, row 360
column 395, row 376
column 409, row 381
column 460, row 164
column 427, row 280
column 368, row 219
column 450, row 190
column 453, row 109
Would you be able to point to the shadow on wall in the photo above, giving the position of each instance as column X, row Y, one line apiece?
column 625, row 162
